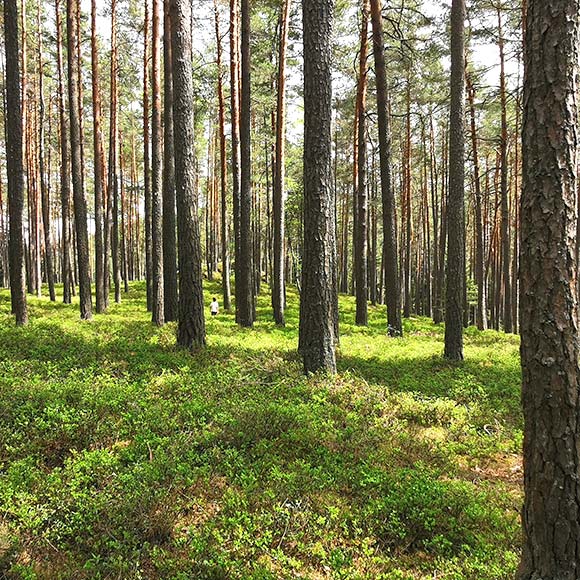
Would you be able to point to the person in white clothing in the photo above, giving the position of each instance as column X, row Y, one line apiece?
column 214, row 307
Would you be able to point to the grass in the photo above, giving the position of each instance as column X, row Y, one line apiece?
column 122, row 457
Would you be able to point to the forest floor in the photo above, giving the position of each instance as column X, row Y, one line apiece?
column 122, row 457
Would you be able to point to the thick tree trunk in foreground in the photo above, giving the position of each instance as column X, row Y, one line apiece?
column 318, row 333
column 455, row 209
column 157, row 300
column 191, row 323
column 14, row 167
column 548, row 306
column 79, row 201
column 392, row 289
column 169, row 224
column 245, row 267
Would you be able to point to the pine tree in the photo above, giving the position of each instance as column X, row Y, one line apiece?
column 318, row 334
column 79, row 201
column 455, row 271
column 392, row 292
column 191, row 323
column 548, row 303
column 14, row 165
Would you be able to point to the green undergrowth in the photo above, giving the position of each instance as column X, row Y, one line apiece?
column 123, row 457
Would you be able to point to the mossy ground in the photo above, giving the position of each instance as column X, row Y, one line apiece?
column 122, row 457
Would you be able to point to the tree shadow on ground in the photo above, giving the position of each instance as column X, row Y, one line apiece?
column 493, row 384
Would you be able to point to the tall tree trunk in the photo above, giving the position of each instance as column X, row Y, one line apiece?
column 373, row 236
column 440, row 280
column 147, row 154
column 80, row 204
column 392, row 290
column 209, row 202
column 505, row 218
column 44, row 187
column 344, row 220
column 28, row 169
column 408, row 231
column 278, row 289
column 244, row 265
column 169, row 225
column 355, row 145
column 157, row 300
column 426, row 228
column 344, row 265
column 455, row 271
column 113, row 185
column 318, row 332
column 548, row 305
column 124, row 265
column 361, row 233
column 235, row 123
column 14, row 166
column 516, row 212
column 64, row 164
column 4, row 260
column 191, row 323
column 256, row 237
column 99, row 167
column 434, row 179
column 225, row 238
column 481, row 314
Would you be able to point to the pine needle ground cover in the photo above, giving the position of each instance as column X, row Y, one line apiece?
column 122, row 457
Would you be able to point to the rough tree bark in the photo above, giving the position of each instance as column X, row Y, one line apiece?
column 361, row 232
column 79, row 201
column 169, row 223
column 505, row 217
column 44, row 187
column 147, row 153
column 14, row 165
column 99, row 167
column 245, row 267
column 157, row 300
column 481, row 313
column 278, row 289
column 191, row 322
column 225, row 238
column 392, row 289
column 455, row 270
column 548, row 305
column 318, row 332
column 406, row 205
column 113, row 181
column 64, row 164
column 235, row 123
